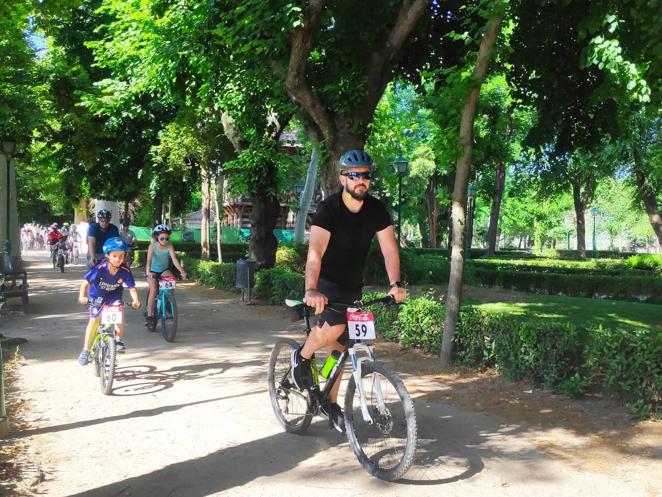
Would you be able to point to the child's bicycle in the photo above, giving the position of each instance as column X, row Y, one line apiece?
column 380, row 419
column 103, row 353
column 166, row 308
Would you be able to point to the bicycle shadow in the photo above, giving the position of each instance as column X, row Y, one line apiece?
column 146, row 379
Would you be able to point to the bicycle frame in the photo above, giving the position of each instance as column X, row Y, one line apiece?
column 352, row 350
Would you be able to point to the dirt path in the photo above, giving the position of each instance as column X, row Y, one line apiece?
column 193, row 418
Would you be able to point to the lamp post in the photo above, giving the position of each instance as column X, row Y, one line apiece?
column 8, row 149
column 401, row 169
column 567, row 220
column 594, row 213
column 471, row 197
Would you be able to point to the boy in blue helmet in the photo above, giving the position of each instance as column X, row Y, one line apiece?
column 105, row 283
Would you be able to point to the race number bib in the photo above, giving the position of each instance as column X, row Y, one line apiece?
column 112, row 314
column 167, row 284
column 361, row 325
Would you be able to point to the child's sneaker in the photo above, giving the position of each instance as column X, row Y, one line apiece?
column 84, row 358
column 119, row 346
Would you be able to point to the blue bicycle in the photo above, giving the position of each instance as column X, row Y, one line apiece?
column 166, row 307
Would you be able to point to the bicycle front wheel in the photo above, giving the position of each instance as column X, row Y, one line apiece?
column 169, row 318
column 290, row 404
column 107, row 363
column 386, row 447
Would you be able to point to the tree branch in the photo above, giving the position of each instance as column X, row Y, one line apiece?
column 378, row 72
column 301, row 41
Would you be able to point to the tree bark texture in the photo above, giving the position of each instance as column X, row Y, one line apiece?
column 205, row 210
column 459, row 197
column 647, row 196
column 307, row 194
column 499, row 185
column 263, row 243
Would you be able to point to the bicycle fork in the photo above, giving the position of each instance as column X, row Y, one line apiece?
column 357, row 363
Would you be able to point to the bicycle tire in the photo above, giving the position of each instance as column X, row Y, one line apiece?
column 169, row 318
column 96, row 353
column 107, row 363
column 384, row 428
column 60, row 262
column 282, row 391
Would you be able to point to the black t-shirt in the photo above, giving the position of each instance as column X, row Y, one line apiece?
column 351, row 235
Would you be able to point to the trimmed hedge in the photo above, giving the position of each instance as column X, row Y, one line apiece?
column 626, row 287
column 571, row 358
column 217, row 274
column 232, row 252
column 277, row 284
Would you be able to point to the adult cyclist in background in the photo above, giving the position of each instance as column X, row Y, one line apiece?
column 97, row 234
column 129, row 238
column 53, row 238
column 340, row 237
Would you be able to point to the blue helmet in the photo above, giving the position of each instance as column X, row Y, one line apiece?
column 355, row 158
column 113, row 244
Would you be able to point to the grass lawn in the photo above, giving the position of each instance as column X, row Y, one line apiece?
column 609, row 313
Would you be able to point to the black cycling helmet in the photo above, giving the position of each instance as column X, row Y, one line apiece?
column 103, row 214
column 355, row 158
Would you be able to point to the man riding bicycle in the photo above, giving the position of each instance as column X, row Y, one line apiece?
column 340, row 237
column 97, row 234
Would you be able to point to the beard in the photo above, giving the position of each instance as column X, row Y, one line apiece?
column 357, row 195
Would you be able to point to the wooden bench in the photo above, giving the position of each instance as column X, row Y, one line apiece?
column 16, row 279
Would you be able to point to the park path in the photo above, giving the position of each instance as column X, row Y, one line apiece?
column 193, row 418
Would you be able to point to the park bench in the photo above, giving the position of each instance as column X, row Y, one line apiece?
column 15, row 279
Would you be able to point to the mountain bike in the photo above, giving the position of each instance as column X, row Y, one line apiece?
column 103, row 352
column 59, row 255
column 166, row 308
column 380, row 420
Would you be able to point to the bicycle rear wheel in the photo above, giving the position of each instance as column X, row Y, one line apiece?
column 290, row 404
column 386, row 447
column 107, row 363
column 169, row 318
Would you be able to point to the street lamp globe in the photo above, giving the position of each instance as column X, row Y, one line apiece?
column 401, row 166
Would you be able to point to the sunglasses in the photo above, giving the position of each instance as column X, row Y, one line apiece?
column 104, row 220
column 164, row 238
column 354, row 175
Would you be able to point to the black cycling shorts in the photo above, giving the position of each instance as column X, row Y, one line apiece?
column 335, row 294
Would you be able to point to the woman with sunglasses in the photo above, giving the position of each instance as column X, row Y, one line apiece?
column 159, row 255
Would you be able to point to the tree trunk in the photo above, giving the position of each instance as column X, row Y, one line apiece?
column 580, row 208
column 307, row 195
column 206, row 205
column 263, row 244
column 433, row 210
column 459, row 197
column 158, row 209
column 218, row 205
column 647, row 196
column 499, row 184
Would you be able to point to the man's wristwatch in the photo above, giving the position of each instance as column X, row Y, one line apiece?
column 396, row 284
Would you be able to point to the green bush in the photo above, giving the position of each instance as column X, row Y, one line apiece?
column 651, row 262
column 420, row 322
column 567, row 357
column 277, row 284
column 629, row 362
column 217, row 275
column 292, row 257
